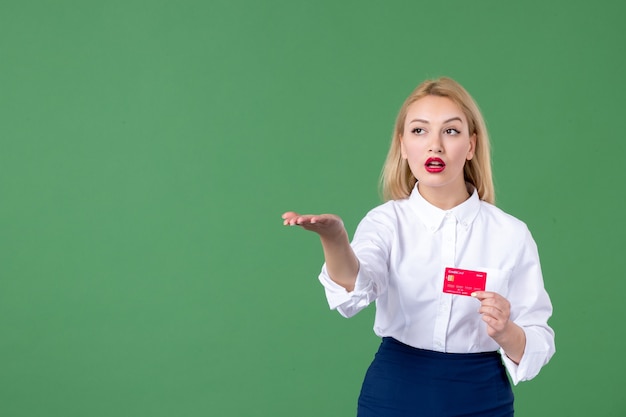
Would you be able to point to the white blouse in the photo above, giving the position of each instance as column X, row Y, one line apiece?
column 404, row 246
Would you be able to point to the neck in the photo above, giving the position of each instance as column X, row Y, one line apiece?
column 444, row 198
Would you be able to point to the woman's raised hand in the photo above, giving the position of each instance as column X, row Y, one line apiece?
column 326, row 225
column 341, row 262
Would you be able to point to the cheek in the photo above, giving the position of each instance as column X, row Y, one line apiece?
column 408, row 150
column 412, row 150
column 462, row 151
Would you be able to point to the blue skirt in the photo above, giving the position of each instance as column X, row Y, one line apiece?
column 403, row 381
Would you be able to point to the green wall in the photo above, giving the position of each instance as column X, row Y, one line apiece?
column 148, row 149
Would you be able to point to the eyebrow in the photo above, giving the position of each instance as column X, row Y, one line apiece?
column 445, row 121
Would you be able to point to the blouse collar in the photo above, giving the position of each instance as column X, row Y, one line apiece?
column 433, row 217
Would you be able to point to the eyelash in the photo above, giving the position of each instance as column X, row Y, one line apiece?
column 449, row 131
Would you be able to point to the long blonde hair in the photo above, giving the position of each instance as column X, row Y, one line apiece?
column 397, row 181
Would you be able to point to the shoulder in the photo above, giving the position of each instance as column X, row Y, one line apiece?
column 497, row 217
column 391, row 209
column 386, row 215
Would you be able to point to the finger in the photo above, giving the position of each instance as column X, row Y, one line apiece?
column 493, row 302
column 305, row 218
column 292, row 221
column 289, row 214
column 492, row 311
column 316, row 222
column 309, row 222
column 494, row 326
column 321, row 219
column 496, row 316
column 497, row 302
column 288, row 217
column 482, row 295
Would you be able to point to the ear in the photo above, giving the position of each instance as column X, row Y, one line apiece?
column 472, row 148
column 402, row 150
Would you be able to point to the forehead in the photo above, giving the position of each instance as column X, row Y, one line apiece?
column 434, row 109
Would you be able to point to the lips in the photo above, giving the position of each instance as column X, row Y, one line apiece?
column 434, row 165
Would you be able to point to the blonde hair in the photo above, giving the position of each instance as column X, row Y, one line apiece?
column 397, row 180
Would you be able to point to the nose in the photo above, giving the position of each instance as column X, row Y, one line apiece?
column 436, row 145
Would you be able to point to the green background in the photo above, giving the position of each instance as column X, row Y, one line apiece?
column 148, row 149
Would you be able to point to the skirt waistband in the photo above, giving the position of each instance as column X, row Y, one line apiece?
column 396, row 345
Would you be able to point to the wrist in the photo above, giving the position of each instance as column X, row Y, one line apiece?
column 513, row 342
column 334, row 237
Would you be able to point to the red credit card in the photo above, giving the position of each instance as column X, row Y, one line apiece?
column 463, row 282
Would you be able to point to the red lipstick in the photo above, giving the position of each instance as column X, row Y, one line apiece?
column 434, row 165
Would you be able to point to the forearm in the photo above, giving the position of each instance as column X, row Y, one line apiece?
column 341, row 262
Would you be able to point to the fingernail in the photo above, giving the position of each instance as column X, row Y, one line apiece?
column 473, row 294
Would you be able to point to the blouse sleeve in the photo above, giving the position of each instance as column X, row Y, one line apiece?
column 371, row 244
column 530, row 309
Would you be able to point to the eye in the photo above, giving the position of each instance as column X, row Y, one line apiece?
column 418, row 131
column 451, row 131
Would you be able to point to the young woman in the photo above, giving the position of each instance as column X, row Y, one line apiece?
column 457, row 282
